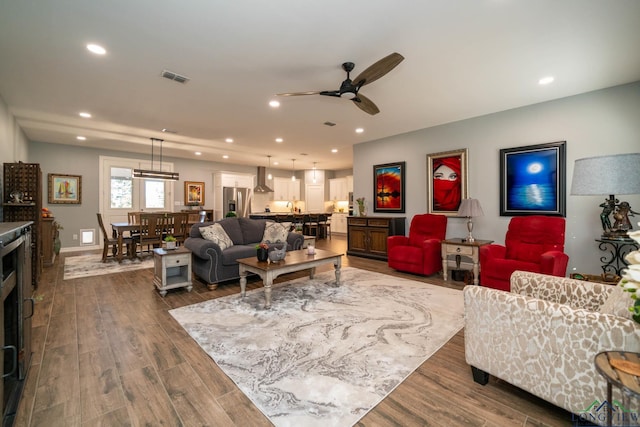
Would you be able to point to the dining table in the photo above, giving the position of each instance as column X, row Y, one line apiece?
column 119, row 228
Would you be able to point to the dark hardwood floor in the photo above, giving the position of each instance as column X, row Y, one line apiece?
column 108, row 353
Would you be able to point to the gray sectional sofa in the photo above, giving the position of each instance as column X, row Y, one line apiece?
column 214, row 265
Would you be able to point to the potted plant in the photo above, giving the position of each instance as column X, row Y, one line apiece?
column 169, row 242
column 262, row 251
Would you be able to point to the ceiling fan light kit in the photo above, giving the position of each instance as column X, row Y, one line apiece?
column 349, row 88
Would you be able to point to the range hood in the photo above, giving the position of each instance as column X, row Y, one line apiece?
column 262, row 186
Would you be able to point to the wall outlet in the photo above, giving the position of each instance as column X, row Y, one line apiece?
column 75, row 237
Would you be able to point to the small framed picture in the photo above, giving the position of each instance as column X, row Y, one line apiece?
column 388, row 194
column 193, row 193
column 532, row 180
column 446, row 181
column 65, row 188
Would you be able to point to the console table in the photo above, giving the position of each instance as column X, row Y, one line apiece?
column 613, row 261
column 367, row 235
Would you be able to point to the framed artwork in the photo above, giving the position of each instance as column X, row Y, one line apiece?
column 193, row 193
column 446, row 181
column 388, row 194
column 65, row 188
column 532, row 180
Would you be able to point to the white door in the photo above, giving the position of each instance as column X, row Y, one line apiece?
column 120, row 193
column 314, row 198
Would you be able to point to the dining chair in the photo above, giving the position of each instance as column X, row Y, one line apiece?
column 325, row 225
column 180, row 226
column 151, row 229
column 112, row 242
column 313, row 225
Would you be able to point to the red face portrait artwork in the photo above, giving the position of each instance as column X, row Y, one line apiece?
column 447, row 184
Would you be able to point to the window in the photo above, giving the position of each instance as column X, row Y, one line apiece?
column 121, row 188
column 153, row 194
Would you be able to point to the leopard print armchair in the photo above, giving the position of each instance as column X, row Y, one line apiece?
column 543, row 335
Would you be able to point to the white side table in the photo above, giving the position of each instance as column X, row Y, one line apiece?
column 463, row 248
column 172, row 269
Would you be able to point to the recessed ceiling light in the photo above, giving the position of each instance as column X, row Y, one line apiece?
column 274, row 104
column 225, row 157
column 359, row 130
column 334, row 150
column 545, row 80
column 167, row 130
column 198, row 153
column 81, row 138
column 279, row 140
column 85, row 114
column 228, row 140
column 276, row 163
column 97, row 49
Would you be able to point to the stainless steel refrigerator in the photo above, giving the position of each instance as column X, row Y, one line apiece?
column 238, row 200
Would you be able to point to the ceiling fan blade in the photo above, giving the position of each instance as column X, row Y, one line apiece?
column 330, row 93
column 378, row 69
column 298, row 93
column 365, row 104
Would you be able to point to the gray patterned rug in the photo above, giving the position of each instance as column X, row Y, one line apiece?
column 91, row 265
column 325, row 355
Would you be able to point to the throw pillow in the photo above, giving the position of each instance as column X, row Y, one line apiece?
column 275, row 232
column 216, row 234
column 618, row 303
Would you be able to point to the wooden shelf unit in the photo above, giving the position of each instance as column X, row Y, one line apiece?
column 27, row 178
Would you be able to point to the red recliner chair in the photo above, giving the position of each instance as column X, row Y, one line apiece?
column 533, row 243
column 420, row 252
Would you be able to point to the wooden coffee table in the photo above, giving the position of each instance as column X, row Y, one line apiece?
column 294, row 261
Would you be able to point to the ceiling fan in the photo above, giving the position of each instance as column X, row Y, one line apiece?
column 349, row 88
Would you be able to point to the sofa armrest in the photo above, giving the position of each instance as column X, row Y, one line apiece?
column 543, row 347
column 199, row 247
column 393, row 241
column 432, row 248
column 492, row 251
column 295, row 241
column 554, row 263
column 561, row 290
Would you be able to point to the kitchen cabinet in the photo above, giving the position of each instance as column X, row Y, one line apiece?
column 284, row 189
column 339, row 223
column 367, row 236
column 235, row 180
column 338, row 189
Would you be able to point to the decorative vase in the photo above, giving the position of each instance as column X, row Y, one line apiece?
column 262, row 254
column 362, row 210
column 169, row 245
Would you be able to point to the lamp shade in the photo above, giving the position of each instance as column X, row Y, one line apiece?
column 470, row 208
column 602, row 175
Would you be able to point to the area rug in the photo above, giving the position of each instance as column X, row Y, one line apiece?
column 91, row 265
column 325, row 355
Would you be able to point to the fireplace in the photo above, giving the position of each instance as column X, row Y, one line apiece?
column 15, row 314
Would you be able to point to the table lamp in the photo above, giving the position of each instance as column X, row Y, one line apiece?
column 607, row 176
column 470, row 208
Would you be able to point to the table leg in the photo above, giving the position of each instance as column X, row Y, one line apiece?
column 337, row 266
column 312, row 272
column 609, row 403
column 444, row 263
column 243, row 281
column 120, row 255
column 476, row 272
column 268, row 281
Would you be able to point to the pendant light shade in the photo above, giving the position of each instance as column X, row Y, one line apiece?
column 293, row 169
column 269, row 176
column 156, row 174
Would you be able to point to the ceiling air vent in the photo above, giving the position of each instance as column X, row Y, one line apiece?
column 174, row 76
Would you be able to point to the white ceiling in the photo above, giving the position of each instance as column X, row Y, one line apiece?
column 464, row 58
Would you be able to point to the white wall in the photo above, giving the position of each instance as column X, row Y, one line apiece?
column 597, row 123
column 13, row 143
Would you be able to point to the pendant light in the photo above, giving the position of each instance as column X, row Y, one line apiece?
column 269, row 176
column 314, row 172
column 156, row 174
column 293, row 167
